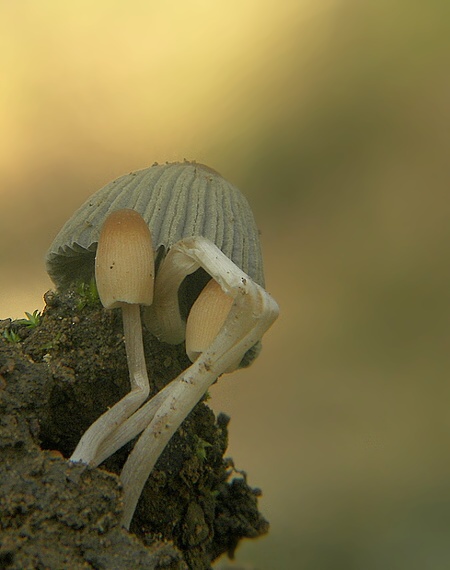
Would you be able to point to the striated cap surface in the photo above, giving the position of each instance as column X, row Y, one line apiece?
column 176, row 200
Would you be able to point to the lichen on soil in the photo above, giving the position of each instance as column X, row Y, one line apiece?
column 55, row 380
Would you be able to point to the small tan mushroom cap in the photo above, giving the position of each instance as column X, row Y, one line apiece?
column 206, row 318
column 124, row 262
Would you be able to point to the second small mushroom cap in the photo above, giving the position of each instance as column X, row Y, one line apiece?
column 206, row 318
column 124, row 263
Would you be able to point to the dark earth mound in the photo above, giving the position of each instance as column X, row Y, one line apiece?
column 58, row 373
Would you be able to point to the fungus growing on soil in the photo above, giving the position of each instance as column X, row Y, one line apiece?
column 203, row 232
column 124, row 274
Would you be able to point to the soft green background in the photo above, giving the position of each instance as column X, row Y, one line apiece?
column 334, row 118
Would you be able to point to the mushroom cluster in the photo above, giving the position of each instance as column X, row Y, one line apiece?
column 207, row 291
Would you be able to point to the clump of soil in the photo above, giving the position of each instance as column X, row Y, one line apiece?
column 56, row 377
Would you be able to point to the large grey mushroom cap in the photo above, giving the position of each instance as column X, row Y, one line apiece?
column 177, row 200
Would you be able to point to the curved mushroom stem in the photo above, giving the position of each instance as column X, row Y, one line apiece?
column 162, row 318
column 87, row 449
column 252, row 313
column 133, row 426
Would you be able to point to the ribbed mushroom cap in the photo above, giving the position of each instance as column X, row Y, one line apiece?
column 176, row 200
column 206, row 318
column 124, row 264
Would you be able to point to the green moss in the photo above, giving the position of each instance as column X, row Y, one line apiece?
column 200, row 447
column 11, row 336
column 33, row 319
column 88, row 294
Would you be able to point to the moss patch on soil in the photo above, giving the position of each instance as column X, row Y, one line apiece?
column 56, row 378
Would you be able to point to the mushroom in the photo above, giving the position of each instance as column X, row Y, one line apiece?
column 124, row 274
column 207, row 246
column 177, row 200
column 253, row 311
column 206, row 318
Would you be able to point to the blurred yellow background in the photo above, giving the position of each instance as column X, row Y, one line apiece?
column 333, row 117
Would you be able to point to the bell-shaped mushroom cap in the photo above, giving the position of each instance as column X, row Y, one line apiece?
column 124, row 264
column 177, row 200
column 206, row 318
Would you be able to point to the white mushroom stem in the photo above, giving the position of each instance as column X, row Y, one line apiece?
column 87, row 449
column 132, row 426
column 134, row 345
column 163, row 318
column 205, row 320
column 252, row 313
